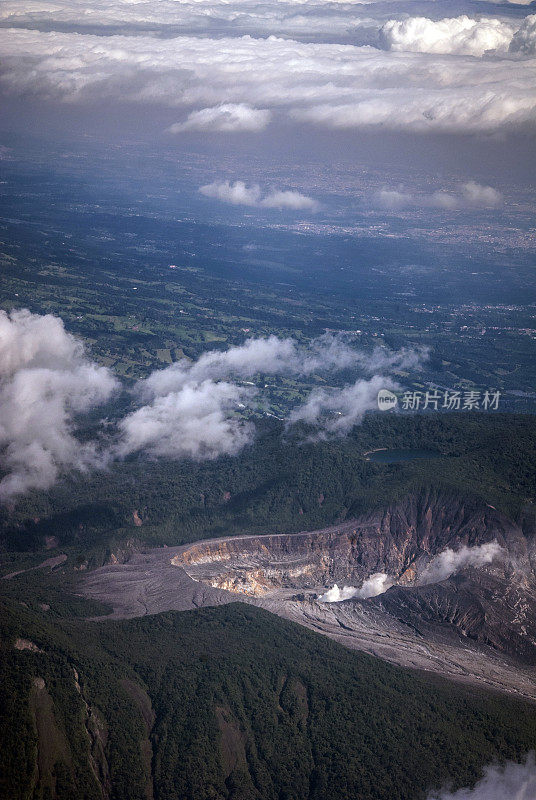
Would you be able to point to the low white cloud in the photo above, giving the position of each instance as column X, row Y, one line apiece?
column 269, row 355
column 508, row 782
column 336, row 411
column 471, row 195
column 451, row 561
column 194, row 422
column 239, row 194
column 45, row 381
column 457, row 35
column 375, row 584
column 393, row 199
column 225, row 118
column 191, row 409
column 382, row 359
column 474, row 194
column 289, row 199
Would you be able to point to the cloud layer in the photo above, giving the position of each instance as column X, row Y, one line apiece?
column 45, row 381
column 509, row 782
column 414, row 74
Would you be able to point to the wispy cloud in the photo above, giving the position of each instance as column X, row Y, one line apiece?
column 191, row 409
column 225, row 118
column 470, row 195
column 162, row 424
column 276, row 356
column 335, row 411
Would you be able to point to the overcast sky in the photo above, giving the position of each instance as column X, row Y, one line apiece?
column 243, row 71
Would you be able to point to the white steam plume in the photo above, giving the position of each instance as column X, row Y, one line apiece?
column 509, row 782
column 45, row 379
column 375, row 584
column 451, row 561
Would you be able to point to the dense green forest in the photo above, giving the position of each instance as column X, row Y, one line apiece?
column 281, row 483
column 230, row 702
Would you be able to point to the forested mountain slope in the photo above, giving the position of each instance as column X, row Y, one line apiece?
column 230, row 702
column 282, row 483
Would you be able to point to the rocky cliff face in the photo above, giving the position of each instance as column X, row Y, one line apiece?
column 475, row 605
column 492, row 604
column 400, row 541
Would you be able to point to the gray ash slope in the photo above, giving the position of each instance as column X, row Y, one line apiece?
column 478, row 624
